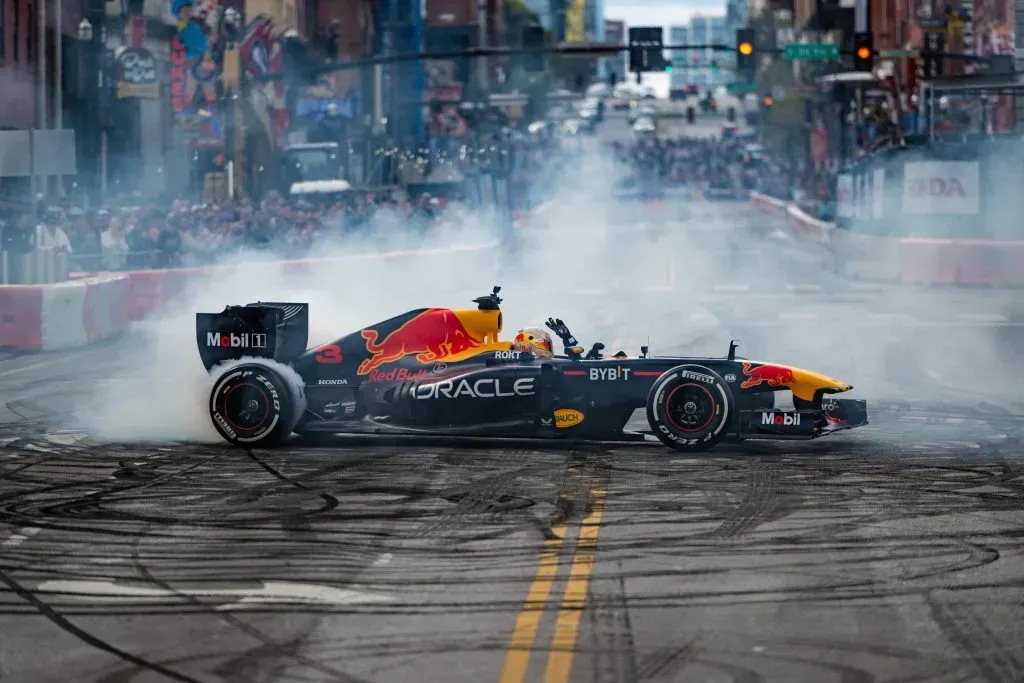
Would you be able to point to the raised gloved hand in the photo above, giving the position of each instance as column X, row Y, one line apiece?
column 560, row 329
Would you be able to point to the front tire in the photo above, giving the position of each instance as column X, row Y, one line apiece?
column 252, row 405
column 689, row 408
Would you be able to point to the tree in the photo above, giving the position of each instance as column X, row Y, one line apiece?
column 516, row 17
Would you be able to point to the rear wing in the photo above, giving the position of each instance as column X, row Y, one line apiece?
column 279, row 331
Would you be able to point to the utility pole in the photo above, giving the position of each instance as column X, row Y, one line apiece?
column 42, row 90
column 231, row 78
column 481, row 23
column 58, row 94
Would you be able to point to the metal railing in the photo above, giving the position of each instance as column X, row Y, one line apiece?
column 39, row 267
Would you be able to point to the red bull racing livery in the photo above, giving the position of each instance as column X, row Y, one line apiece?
column 447, row 372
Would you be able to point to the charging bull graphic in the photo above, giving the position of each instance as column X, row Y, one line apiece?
column 432, row 335
column 773, row 375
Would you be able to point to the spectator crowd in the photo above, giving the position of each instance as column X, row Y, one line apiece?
column 187, row 234
column 726, row 164
column 191, row 234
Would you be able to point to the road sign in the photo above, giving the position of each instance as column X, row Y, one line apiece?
column 811, row 51
column 896, row 54
column 645, row 49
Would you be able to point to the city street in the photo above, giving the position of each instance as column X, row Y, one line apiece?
column 889, row 552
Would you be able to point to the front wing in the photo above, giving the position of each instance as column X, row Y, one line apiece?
column 836, row 414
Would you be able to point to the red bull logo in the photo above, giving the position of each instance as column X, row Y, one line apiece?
column 398, row 375
column 773, row 375
column 432, row 335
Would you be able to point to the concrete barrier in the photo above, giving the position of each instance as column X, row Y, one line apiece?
column 865, row 257
column 909, row 260
column 63, row 316
column 967, row 263
column 91, row 307
column 808, row 227
column 768, row 204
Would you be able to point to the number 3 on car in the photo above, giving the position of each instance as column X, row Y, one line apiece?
column 328, row 354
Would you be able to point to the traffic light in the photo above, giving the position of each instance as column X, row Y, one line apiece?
column 746, row 54
column 768, row 101
column 863, row 51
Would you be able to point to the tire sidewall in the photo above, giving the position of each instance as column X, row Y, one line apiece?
column 662, row 425
column 280, row 418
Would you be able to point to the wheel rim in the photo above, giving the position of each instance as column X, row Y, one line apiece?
column 690, row 407
column 246, row 407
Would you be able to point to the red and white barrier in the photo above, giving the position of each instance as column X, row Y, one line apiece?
column 768, row 204
column 63, row 316
column 91, row 307
column 808, row 227
column 962, row 262
column 911, row 261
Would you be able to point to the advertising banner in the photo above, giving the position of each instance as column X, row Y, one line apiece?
column 575, row 31
column 934, row 188
column 445, row 79
column 136, row 74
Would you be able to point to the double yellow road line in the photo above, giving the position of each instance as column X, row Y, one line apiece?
column 567, row 624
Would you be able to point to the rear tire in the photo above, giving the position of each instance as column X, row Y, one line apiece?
column 689, row 408
column 253, row 405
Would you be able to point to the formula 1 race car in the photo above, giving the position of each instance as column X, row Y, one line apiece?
column 444, row 372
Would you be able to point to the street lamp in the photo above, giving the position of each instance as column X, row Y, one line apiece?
column 85, row 31
column 89, row 93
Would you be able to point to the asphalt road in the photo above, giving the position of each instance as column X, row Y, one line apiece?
column 888, row 553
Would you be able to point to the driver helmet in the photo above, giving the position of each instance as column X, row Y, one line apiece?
column 536, row 340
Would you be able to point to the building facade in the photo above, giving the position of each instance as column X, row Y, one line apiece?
column 682, row 60
column 544, row 12
column 615, row 33
column 704, row 63
column 593, row 30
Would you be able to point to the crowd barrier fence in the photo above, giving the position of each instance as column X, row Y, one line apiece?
column 904, row 260
column 42, row 266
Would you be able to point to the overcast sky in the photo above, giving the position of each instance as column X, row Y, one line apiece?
column 660, row 12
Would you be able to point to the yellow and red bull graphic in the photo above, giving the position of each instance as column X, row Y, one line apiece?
column 773, row 375
column 803, row 383
column 432, row 335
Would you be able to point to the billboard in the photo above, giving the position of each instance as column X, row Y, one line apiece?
column 445, row 79
column 574, row 21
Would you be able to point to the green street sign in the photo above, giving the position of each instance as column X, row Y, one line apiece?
column 896, row 54
column 811, row 51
